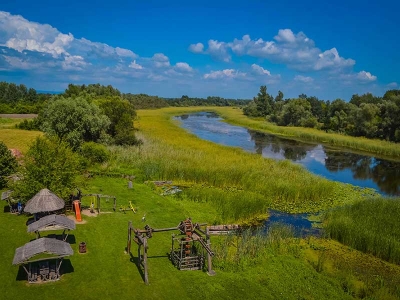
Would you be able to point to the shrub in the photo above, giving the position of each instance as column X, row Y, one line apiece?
column 94, row 152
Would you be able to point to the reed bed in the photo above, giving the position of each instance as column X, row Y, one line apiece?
column 371, row 226
column 240, row 184
column 239, row 250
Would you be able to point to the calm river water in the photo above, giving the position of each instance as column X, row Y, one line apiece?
column 339, row 165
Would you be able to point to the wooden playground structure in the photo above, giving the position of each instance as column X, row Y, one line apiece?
column 188, row 248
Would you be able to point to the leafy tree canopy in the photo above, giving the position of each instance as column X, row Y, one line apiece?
column 48, row 164
column 74, row 120
column 8, row 164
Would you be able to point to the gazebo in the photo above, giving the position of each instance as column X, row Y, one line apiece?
column 44, row 201
column 46, row 267
column 52, row 222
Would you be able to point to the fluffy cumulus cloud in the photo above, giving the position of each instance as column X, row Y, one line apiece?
column 160, row 60
column 305, row 79
column 135, row 65
column 22, row 35
column 183, row 67
column 196, row 48
column 297, row 51
column 366, row 76
column 260, row 70
column 227, row 73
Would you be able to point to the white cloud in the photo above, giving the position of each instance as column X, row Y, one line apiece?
column 260, row 70
column 73, row 62
column 366, row 76
column 297, row 51
column 392, row 85
column 285, row 36
column 304, row 79
column 227, row 73
column 20, row 34
column 183, row 67
column 218, row 50
column 136, row 66
column 125, row 52
column 160, row 60
column 196, row 48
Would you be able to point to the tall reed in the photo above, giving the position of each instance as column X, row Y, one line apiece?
column 371, row 226
column 241, row 184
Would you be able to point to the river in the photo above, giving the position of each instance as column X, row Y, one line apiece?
column 335, row 164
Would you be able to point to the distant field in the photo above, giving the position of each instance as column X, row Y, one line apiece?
column 19, row 139
column 18, row 116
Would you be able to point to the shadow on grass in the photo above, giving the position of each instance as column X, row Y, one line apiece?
column 136, row 261
column 66, row 267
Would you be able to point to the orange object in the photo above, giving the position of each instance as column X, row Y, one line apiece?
column 77, row 210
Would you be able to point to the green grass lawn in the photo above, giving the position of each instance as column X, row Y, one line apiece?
column 106, row 272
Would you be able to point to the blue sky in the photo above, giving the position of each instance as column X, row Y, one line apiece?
column 330, row 49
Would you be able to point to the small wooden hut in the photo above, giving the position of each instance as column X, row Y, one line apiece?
column 52, row 222
column 6, row 196
column 44, row 201
column 47, row 267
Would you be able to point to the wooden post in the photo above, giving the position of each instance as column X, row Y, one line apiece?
column 115, row 203
column 128, row 246
column 98, row 204
column 146, row 276
column 210, row 271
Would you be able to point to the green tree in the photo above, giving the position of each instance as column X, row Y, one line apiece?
column 297, row 112
column 48, row 164
column 264, row 102
column 8, row 164
column 121, row 114
column 74, row 121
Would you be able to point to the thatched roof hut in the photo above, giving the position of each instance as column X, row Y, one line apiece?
column 6, row 195
column 44, row 201
column 52, row 222
column 42, row 245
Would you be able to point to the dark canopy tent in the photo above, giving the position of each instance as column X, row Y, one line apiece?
column 42, row 269
column 44, row 201
column 52, row 222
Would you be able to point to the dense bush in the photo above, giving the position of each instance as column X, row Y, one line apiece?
column 94, row 152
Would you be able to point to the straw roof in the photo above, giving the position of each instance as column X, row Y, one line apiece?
column 5, row 195
column 44, row 201
column 42, row 245
column 52, row 222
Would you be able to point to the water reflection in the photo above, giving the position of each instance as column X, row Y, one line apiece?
column 361, row 170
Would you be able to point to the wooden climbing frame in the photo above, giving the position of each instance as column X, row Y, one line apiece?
column 188, row 246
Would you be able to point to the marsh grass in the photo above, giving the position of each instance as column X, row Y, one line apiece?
column 239, row 250
column 371, row 226
column 238, row 183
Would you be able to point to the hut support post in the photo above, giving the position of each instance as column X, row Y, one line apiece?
column 27, row 272
column 58, row 269
column 210, row 271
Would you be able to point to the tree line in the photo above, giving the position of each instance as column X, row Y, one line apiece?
column 21, row 100
column 363, row 116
